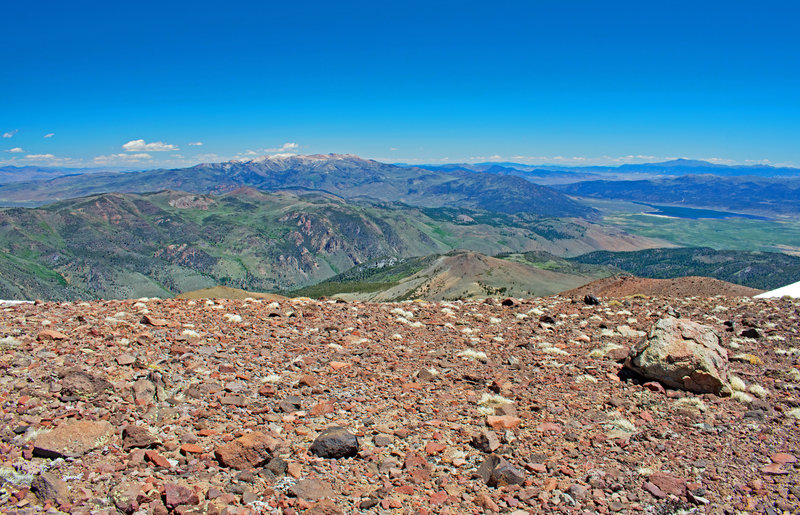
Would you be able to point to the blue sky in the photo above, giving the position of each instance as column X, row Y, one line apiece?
column 150, row 84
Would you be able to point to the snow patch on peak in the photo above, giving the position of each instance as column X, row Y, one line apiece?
column 299, row 158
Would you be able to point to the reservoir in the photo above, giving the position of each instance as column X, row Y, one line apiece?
column 695, row 214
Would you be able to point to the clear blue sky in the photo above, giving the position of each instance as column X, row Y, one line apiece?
column 534, row 81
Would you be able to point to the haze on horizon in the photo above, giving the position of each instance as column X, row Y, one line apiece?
column 572, row 83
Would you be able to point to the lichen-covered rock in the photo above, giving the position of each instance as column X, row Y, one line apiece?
column 73, row 439
column 682, row 354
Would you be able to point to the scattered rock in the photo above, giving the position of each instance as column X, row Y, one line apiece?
column 335, row 442
column 77, row 383
column 50, row 334
column 247, row 452
column 495, row 471
column 178, row 495
column 682, row 354
column 486, row 441
column 138, row 437
column 49, row 487
column 311, row 490
column 73, row 439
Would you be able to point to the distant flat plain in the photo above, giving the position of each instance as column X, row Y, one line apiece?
column 694, row 229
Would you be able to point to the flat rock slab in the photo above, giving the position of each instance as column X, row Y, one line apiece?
column 73, row 439
column 311, row 490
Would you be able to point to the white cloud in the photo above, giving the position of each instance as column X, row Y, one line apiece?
column 196, row 144
column 286, row 147
column 40, row 156
column 719, row 161
column 10, row 134
column 139, row 145
column 15, row 150
column 49, row 134
column 123, row 157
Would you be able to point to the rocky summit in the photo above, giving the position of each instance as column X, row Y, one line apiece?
column 324, row 407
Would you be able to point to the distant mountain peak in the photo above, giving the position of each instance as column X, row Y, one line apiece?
column 299, row 158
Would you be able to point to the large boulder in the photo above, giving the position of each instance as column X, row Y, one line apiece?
column 682, row 354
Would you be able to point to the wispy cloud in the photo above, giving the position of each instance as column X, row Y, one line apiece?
column 196, row 144
column 285, row 148
column 141, row 156
column 15, row 150
column 140, row 145
column 10, row 134
column 40, row 157
column 49, row 134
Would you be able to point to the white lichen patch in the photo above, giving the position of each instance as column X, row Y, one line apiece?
column 555, row 351
column 622, row 424
column 742, row 397
column 692, row 402
column 758, row 390
column 737, row 385
column 473, row 355
column 585, row 378
column 602, row 351
column 403, row 313
column 232, row 318
column 9, row 342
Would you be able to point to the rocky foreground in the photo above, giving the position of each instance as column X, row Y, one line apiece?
column 322, row 407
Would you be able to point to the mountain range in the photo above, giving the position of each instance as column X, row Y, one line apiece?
column 347, row 176
column 296, row 223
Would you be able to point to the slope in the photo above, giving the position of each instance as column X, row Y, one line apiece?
column 456, row 275
column 762, row 270
column 160, row 244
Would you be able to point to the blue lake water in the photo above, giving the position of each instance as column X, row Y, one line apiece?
column 695, row 214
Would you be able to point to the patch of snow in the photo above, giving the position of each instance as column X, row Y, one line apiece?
column 791, row 290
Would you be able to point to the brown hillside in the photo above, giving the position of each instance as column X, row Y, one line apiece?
column 679, row 287
column 226, row 292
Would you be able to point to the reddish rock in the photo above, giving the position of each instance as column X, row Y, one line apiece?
column 782, row 458
column 486, row 441
column 434, row 448
column 155, row 322
column 247, row 452
column 549, row 427
column 178, row 495
column 311, row 489
column 655, row 386
column 190, row 448
column 157, row 459
column 73, row 438
column 439, row 498
column 668, row 483
column 138, row 437
column 774, row 469
column 50, row 334
column 503, row 422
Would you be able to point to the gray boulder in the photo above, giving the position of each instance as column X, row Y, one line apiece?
column 682, row 354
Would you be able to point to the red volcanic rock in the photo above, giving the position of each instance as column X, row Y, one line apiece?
column 201, row 415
